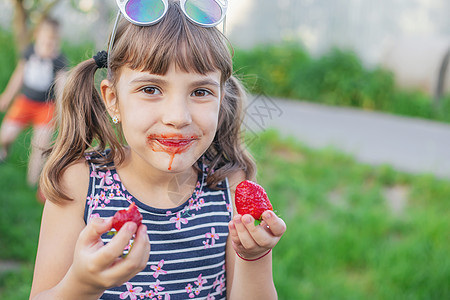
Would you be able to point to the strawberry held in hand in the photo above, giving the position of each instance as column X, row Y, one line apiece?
column 251, row 199
column 131, row 214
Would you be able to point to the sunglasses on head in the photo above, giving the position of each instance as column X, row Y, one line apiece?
column 206, row 13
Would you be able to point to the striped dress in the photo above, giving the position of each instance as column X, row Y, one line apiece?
column 187, row 256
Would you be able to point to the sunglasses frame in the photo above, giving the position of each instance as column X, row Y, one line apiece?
column 223, row 4
column 121, row 11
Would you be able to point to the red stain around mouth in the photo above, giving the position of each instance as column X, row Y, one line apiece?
column 171, row 143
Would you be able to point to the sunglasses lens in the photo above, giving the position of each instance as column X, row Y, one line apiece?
column 204, row 11
column 144, row 11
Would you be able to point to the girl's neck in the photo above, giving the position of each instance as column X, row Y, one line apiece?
column 154, row 187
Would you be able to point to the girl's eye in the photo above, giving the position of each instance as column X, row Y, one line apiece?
column 201, row 93
column 151, row 90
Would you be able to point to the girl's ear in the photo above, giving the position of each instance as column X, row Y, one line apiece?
column 109, row 96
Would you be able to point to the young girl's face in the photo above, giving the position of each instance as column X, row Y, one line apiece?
column 168, row 120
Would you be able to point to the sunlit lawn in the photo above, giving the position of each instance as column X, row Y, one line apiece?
column 354, row 231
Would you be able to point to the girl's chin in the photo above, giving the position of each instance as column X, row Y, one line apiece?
column 174, row 162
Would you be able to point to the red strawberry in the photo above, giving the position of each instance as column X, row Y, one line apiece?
column 131, row 214
column 251, row 198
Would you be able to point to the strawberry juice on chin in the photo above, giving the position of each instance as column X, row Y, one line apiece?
column 174, row 143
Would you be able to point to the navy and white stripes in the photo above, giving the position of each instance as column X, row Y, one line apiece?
column 187, row 256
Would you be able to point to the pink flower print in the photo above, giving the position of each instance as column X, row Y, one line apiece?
column 210, row 297
column 201, row 201
column 132, row 292
column 216, row 282
column 105, row 178
column 228, row 208
column 149, row 294
column 93, row 174
column 178, row 220
column 197, row 206
column 206, row 244
column 94, row 201
column 93, row 216
column 128, row 247
column 157, row 287
column 200, row 282
column 111, row 195
column 158, row 269
column 167, row 297
column 221, row 285
column 197, row 292
column 116, row 177
column 168, row 213
column 189, row 290
column 213, row 236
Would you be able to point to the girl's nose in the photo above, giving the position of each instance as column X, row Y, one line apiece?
column 176, row 112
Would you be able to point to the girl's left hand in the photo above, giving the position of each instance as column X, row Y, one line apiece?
column 252, row 241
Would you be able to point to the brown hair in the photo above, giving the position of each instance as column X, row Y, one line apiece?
column 83, row 120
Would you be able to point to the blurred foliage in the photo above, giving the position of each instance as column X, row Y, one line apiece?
column 343, row 239
column 336, row 78
column 8, row 58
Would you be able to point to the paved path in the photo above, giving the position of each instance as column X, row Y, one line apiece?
column 408, row 144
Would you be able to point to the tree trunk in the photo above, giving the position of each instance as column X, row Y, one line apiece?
column 20, row 26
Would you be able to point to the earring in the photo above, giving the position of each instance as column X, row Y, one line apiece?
column 115, row 120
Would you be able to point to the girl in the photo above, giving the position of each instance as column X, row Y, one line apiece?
column 171, row 94
column 40, row 68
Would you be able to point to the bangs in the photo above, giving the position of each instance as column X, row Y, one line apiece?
column 174, row 39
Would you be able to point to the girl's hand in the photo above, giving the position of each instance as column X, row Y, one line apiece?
column 97, row 267
column 252, row 241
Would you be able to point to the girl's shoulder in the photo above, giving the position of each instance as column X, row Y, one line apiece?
column 75, row 179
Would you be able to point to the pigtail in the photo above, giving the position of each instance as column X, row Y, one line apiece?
column 81, row 120
column 227, row 153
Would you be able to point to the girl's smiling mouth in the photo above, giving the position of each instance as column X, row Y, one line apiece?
column 171, row 143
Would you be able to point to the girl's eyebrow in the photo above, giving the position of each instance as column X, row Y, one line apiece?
column 203, row 82
column 149, row 78
column 157, row 80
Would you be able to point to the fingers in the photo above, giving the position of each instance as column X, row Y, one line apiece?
column 137, row 257
column 245, row 235
column 108, row 254
column 239, row 235
column 276, row 225
column 92, row 232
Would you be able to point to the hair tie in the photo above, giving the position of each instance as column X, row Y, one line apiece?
column 101, row 59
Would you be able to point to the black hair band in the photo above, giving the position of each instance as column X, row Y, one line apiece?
column 101, row 59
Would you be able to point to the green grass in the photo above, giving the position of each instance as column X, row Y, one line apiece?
column 19, row 222
column 342, row 241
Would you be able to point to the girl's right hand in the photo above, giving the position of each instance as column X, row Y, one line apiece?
column 97, row 267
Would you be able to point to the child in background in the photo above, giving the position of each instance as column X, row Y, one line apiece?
column 171, row 93
column 34, row 76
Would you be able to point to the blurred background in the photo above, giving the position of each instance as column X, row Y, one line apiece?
column 348, row 118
